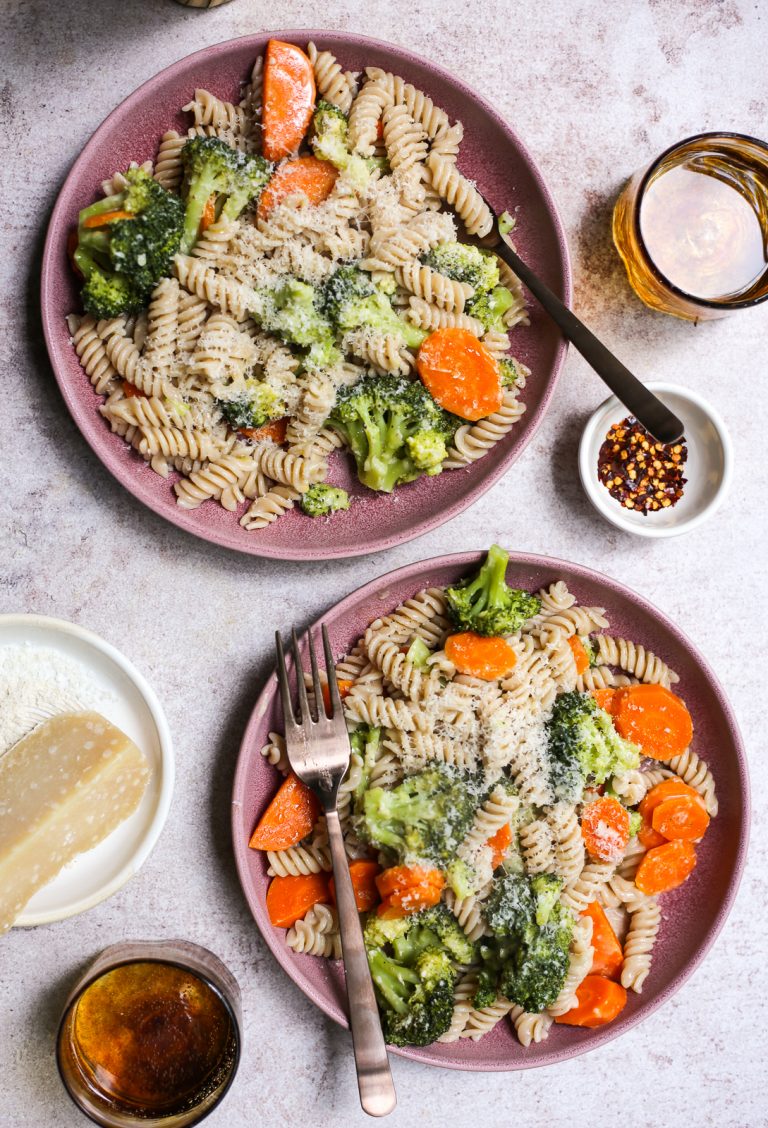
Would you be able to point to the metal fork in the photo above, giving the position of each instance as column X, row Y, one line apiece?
column 318, row 751
column 646, row 407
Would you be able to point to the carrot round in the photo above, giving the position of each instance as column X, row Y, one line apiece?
column 499, row 844
column 609, row 955
column 130, row 391
column 460, row 373
column 107, row 217
column 599, row 1001
column 656, row 719
column 479, row 656
column 288, row 99
column 344, row 687
column 306, row 176
column 209, row 214
column 665, row 867
column 605, row 828
column 579, row 651
column 288, row 818
column 274, row 432
column 664, row 790
column 606, row 699
column 681, row 817
column 363, row 873
column 649, row 837
column 407, row 889
column 291, row 898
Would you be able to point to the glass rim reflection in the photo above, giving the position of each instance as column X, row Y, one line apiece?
column 169, row 962
column 708, row 303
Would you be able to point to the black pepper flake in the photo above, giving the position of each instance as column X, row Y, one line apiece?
column 643, row 475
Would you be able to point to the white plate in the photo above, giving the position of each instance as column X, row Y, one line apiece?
column 129, row 702
column 707, row 470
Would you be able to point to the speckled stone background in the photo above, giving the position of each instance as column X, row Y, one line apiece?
column 595, row 90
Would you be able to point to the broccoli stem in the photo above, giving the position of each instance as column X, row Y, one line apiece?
column 392, row 980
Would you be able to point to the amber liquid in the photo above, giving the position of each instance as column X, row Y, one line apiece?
column 694, row 237
column 150, row 1038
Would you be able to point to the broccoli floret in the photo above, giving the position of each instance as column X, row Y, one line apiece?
column 635, row 823
column 290, row 311
column 416, row 1003
column 330, row 142
column 526, row 959
column 486, row 604
column 425, row 817
column 584, row 744
column 214, row 168
column 260, row 404
column 505, row 223
column 428, row 451
column 321, row 499
column 510, row 372
column 351, row 301
column 489, row 308
column 123, row 258
column 464, row 263
column 378, row 416
column 418, row 653
column 411, row 961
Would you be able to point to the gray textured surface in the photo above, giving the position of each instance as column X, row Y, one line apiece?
column 593, row 95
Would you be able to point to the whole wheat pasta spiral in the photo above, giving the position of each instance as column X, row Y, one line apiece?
column 432, row 317
column 168, row 163
column 530, row 1028
column 266, row 509
column 274, row 752
column 447, row 141
column 396, row 668
column 568, row 842
column 289, row 469
column 537, row 847
column 332, row 83
column 644, row 924
column 434, row 288
column 405, row 140
column 162, row 328
column 463, row 993
column 473, row 441
column 634, row 659
column 226, row 294
column 93, row 355
column 587, row 886
column 297, row 861
column 316, row 934
column 384, row 352
column 457, row 191
column 417, row 103
column 211, row 481
column 172, row 442
column 207, row 109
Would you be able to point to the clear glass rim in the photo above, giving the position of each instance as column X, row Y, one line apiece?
column 235, row 1022
column 706, row 303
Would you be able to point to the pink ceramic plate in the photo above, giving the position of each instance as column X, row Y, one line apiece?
column 492, row 154
column 692, row 915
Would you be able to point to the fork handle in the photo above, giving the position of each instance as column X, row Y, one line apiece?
column 646, row 407
column 374, row 1079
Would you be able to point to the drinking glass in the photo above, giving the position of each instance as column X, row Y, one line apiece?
column 679, row 242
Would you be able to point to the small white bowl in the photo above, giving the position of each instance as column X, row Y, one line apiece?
column 708, row 468
column 126, row 698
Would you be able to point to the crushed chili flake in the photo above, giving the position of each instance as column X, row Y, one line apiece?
column 640, row 473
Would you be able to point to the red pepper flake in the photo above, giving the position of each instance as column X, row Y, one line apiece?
column 643, row 475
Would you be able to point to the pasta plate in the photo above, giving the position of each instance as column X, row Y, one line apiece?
column 491, row 155
column 693, row 914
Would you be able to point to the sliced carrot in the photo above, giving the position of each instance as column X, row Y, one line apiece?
column 681, row 817
column 608, row 953
column 363, row 873
column 407, row 889
column 288, row 818
column 656, row 719
column 130, row 391
column 665, row 867
column 579, row 651
column 275, row 432
column 344, row 688
column 306, row 176
column 664, row 790
column 209, row 214
column 460, row 373
column 288, row 99
column 499, row 844
column 649, row 837
column 290, row 898
column 107, row 217
column 480, row 657
column 380, row 129
column 599, row 1001
column 606, row 699
column 605, row 828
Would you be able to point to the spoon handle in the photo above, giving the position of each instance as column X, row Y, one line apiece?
column 647, row 408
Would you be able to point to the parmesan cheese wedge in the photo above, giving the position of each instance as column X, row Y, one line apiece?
column 63, row 789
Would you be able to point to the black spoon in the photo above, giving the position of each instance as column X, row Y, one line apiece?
column 647, row 408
